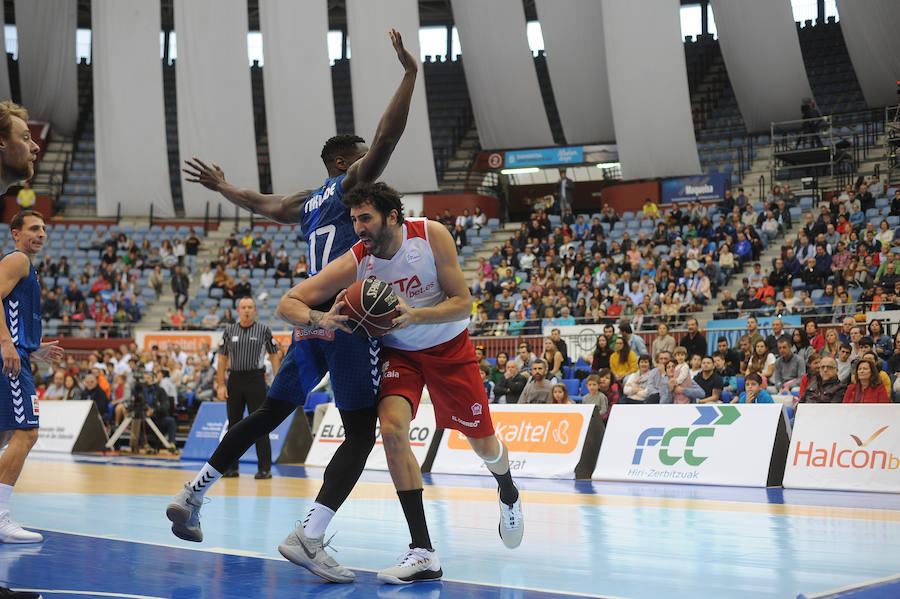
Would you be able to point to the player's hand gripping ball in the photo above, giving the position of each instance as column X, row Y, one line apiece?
column 371, row 307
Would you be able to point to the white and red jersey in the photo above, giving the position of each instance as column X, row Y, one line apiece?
column 412, row 275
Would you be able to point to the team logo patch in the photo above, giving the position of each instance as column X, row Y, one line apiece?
column 476, row 409
column 35, row 409
column 387, row 373
column 413, row 256
column 301, row 333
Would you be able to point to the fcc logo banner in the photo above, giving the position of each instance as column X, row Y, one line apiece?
column 699, row 444
column 845, row 446
column 331, row 434
column 543, row 441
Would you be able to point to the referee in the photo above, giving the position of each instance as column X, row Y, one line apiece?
column 243, row 348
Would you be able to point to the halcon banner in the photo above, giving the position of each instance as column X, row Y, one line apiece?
column 845, row 446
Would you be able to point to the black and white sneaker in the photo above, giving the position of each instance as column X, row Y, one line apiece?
column 415, row 565
column 512, row 523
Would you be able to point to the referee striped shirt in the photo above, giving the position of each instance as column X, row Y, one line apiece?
column 246, row 347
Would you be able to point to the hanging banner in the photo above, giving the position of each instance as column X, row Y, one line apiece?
column 543, row 441
column 852, row 447
column 700, row 188
column 331, row 434
column 697, row 444
column 544, row 156
column 190, row 341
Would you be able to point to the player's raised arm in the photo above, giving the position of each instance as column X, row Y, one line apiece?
column 458, row 304
column 280, row 208
column 391, row 125
column 295, row 307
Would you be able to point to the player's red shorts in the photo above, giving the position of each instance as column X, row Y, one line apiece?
column 453, row 379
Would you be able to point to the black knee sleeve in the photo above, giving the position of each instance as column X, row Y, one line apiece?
column 245, row 433
column 348, row 462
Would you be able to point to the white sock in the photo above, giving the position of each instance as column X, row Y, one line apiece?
column 5, row 492
column 317, row 520
column 205, row 479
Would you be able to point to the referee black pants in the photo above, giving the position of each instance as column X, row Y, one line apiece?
column 248, row 389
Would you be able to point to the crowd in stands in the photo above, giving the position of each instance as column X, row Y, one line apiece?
column 161, row 381
column 856, row 364
column 104, row 297
column 844, row 260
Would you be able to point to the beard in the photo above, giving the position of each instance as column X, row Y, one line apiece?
column 381, row 240
column 10, row 172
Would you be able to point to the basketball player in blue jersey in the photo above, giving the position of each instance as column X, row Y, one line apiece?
column 325, row 223
column 20, row 326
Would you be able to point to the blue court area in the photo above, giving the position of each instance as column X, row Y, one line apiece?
column 636, row 541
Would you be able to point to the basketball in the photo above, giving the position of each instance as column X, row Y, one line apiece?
column 371, row 305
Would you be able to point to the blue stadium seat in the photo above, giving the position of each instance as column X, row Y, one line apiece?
column 493, row 223
column 572, row 385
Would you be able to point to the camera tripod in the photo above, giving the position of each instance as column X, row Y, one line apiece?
column 149, row 422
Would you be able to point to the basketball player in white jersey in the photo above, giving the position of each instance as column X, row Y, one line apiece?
column 429, row 345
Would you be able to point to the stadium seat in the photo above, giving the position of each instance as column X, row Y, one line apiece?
column 572, row 385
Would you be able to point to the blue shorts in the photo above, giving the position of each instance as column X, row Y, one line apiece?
column 353, row 362
column 18, row 401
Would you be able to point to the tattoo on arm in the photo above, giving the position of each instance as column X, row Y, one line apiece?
column 315, row 317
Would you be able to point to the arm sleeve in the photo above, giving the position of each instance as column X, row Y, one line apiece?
column 271, row 345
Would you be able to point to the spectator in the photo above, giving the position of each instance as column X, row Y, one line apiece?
column 602, row 354
column 832, row 344
column 884, row 349
column 845, row 362
column 776, row 335
column 754, row 392
column 560, row 394
column 93, row 392
column 594, row 397
column 788, row 370
column 623, row 360
column 761, row 361
column 57, row 389
column 488, row 383
column 509, row 388
column 538, row 388
column 710, row 381
column 637, row 385
column 824, row 387
column 800, row 345
column 180, row 284
column 866, row 387
column 608, row 386
column 242, row 288
column 553, row 357
column 156, row 280
column 479, row 219
column 663, row 341
column 74, row 391
column 694, row 341
column 524, row 358
column 753, row 331
column 815, row 339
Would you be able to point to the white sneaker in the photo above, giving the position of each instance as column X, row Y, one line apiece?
column 415, row 565
column 10, row 532
column 309, row 552
column 512, row 523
